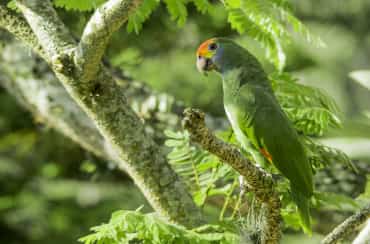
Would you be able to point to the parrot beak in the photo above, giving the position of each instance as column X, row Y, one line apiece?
column 204, row 65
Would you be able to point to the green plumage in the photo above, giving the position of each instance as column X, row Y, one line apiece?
column 257, row 118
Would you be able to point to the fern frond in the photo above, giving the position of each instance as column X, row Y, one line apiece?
column 202, row 5
column 267, row 22
column 203, row 172
column 86, row 5
column 177, row 10
column 310, row 109
column 322, row 156
column 252, row 19
column 136, row 227
column 142, row 13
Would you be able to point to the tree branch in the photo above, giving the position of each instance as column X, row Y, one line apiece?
column 107, row 19
column 102, row 100
column 47, row 100
column 37, row 89
column 17, row 25
column 260, row 182
column 348, row 226
column 53, row 36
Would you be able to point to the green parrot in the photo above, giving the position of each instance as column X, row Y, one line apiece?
column 257, row 118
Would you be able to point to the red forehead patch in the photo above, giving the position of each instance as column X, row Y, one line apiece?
column 203, row 48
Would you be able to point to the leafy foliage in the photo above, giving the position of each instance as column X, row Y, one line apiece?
column 312, row 113
column 334, row 201
column 177, row 10
column 202, row 5
column 365, row 196
column 81, row 5
column 310, row 109
column 136, row 227
column 207, row 177
column 137, row 18
column 266, row 21
column 322, row 156
column 203, row 172
column 35, row 209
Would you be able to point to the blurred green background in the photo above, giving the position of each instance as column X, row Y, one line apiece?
column 53, row 191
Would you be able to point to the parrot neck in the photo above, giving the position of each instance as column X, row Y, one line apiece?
column 231, row 80
column 240, row 75
column 238, row 67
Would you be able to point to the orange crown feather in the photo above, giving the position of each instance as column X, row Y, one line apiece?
column 203, row 48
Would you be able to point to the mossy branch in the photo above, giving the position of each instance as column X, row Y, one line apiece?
column 259, row 182
column 348, row 226
column 18, row 26
column 104, row 103
column 107, row 19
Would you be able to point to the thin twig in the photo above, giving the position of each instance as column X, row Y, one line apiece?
column 260, row 182
column 348, row 226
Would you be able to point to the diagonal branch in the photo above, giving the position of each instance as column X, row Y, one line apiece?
column 48, row 101
column 107, row 19
column 51, row 33
column 102, row 100
column 17, row 25
column 348, row 226
column 260, row 182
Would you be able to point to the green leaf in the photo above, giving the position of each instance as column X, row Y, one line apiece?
column 177, row 10
column 204, row 174
column 202, row 5
column 136, row 227
column 142, row 13
column 365, row 196
column 321, row 155
column 311, row 110
column 268, row 22
column 245, row 22
column 334, row 201
column 291, row 218
column 80, row 5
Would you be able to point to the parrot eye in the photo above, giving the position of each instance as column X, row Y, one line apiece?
column 212, row 46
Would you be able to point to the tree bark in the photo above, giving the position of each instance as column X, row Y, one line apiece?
column 258, row 181
column 101, row 99
column 348, row 226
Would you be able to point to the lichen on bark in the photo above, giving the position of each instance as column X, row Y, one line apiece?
column 100, row 97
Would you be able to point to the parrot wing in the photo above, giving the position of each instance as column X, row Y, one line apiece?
column 270, row 130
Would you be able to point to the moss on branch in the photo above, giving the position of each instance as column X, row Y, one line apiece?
column 258, row 181
column 102, row 100
column 348, row 226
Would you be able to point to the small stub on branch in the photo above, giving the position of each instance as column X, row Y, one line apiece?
column 194, row 119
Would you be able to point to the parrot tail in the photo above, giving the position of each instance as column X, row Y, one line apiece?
column 303, row 204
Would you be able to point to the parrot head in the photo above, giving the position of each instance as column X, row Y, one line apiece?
column 218, row 54
column 205, row 55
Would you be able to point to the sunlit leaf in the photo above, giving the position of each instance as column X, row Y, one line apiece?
column 81, row 5
column 136, row 227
